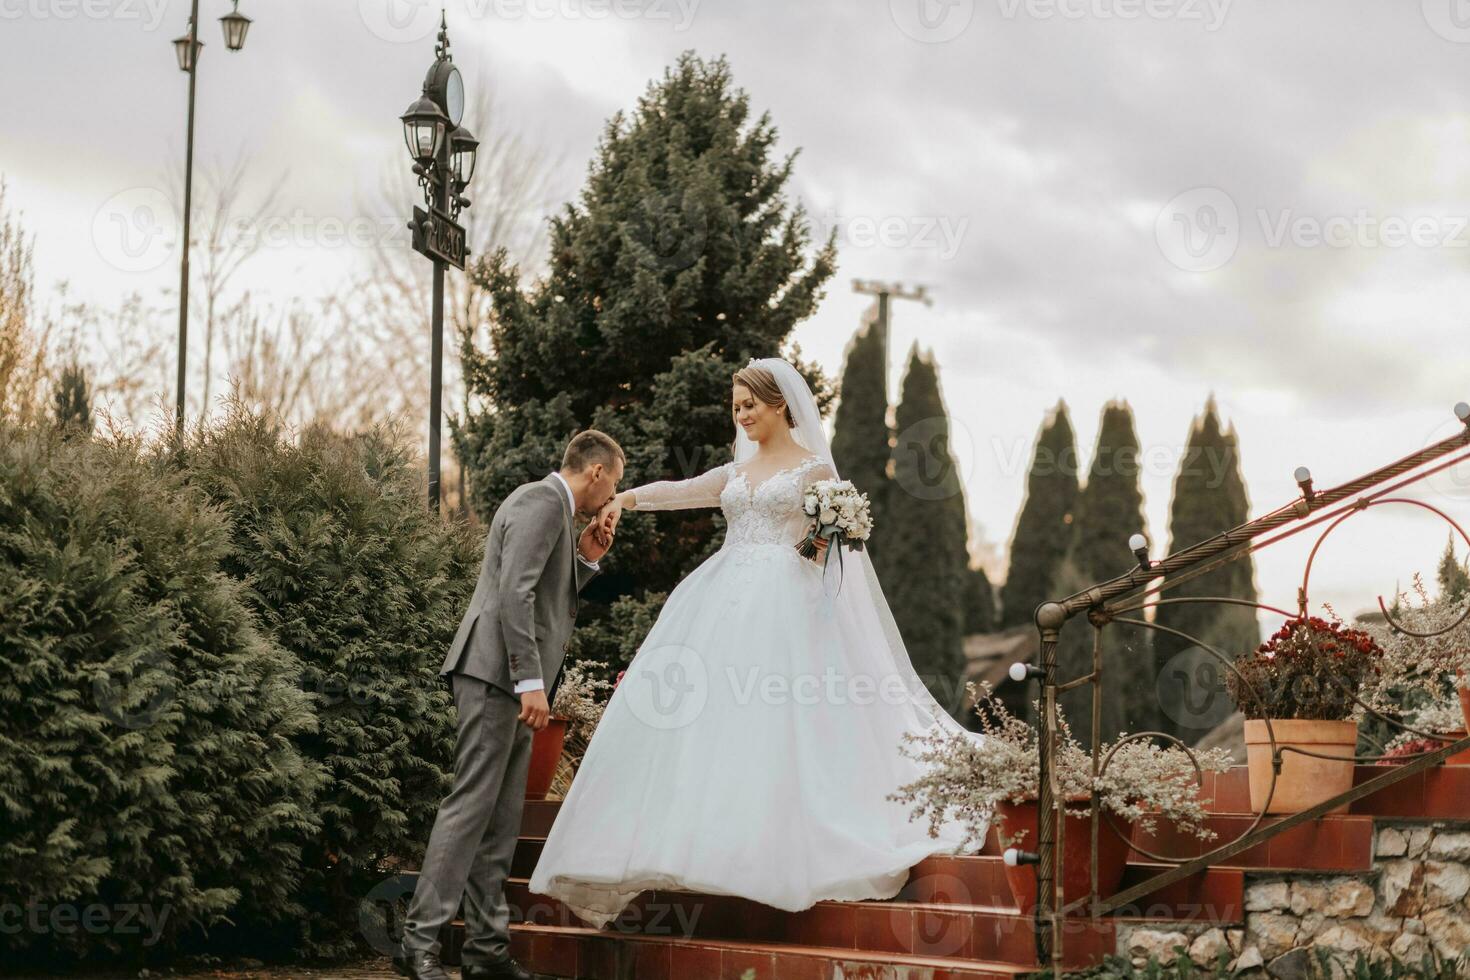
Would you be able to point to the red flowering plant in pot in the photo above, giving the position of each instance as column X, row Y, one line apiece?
column 998, row 778
column 1299, row 690
column 574, row 715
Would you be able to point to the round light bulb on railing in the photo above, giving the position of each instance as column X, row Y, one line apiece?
column 1462, row 412
column 1302, row 474
column 1138, row 544
column 1012, row 857
column 1017, row 672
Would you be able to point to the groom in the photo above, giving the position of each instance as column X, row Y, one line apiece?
column 513, row 636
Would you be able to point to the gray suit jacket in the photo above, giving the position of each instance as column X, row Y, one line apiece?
column 520, row 618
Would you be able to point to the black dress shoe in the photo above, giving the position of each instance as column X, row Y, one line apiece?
column 506, row 969
column 420, row 965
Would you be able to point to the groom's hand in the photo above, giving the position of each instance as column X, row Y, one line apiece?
column 534, row 710
column 609, row 515
column 595, row 540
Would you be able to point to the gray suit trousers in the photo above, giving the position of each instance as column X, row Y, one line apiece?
column 475, row 832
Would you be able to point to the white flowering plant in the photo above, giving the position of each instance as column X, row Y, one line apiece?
column 839, row 513
column 965, row 779
column 1421, row 667
column 580, row 700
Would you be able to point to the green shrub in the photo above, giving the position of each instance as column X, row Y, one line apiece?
column 150, row 779
column 348, row 569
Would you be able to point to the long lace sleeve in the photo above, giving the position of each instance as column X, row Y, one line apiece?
column 700, row 491
column 815, row 472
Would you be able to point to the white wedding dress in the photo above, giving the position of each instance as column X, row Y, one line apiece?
column 750, row 745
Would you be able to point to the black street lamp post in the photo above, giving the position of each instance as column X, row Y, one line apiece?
column 188, row 48
column 444, row 161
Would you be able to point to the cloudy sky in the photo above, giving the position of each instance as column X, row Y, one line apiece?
column 1141, row 199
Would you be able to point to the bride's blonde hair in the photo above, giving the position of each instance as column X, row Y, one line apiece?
column 762, row 384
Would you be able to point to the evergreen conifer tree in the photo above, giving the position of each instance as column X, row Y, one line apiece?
column 1454, row 581
column 924, row 570
column 860, row 434
column 1044, row 528
column 683, row 259
column 979, row 602
column 72, row 401
column 1209, row 497
column 1109, row 512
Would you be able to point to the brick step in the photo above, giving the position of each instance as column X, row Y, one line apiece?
column 976, row 932
column 1336, row 842
column 939, row 878
column 592, row 954
column 1215, row 895
column 1439, row 793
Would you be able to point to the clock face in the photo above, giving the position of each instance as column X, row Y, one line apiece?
column 454, row 96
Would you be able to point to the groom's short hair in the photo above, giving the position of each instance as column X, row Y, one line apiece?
column 590, row 446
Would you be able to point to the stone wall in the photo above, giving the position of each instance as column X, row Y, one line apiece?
column 1416, row 899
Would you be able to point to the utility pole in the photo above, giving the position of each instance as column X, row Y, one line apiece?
column 885, row 291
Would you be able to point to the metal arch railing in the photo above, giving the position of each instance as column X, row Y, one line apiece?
column 1105, row 602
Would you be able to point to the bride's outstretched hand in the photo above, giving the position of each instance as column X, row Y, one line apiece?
column 608, row 517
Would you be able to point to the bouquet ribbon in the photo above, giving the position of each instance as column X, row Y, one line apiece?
column 834, row 544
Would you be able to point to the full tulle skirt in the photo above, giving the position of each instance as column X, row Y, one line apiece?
column 747, row 751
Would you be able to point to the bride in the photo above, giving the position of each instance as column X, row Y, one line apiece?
column 749, row 748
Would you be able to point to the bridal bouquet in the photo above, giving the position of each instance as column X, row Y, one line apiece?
column 840, row 514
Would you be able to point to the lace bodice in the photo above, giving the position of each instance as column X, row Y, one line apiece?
column 757, row 511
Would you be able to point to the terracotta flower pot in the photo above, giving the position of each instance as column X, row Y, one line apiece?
column 1076, row 865
column 1464, row 693
column 1305, row 780
column 1461, row 758
column 545, row 754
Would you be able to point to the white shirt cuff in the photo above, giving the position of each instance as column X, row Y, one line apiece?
column 590, row 564
column 529, row 684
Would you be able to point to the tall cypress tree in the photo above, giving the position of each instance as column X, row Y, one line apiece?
column 1454, row 580
column 1044, row 529
column 683, row 259
column 979, row 602
column 1209, row 497
column 925, row 564
column 1109, row 512
column 72, row 401
column 860, row 434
